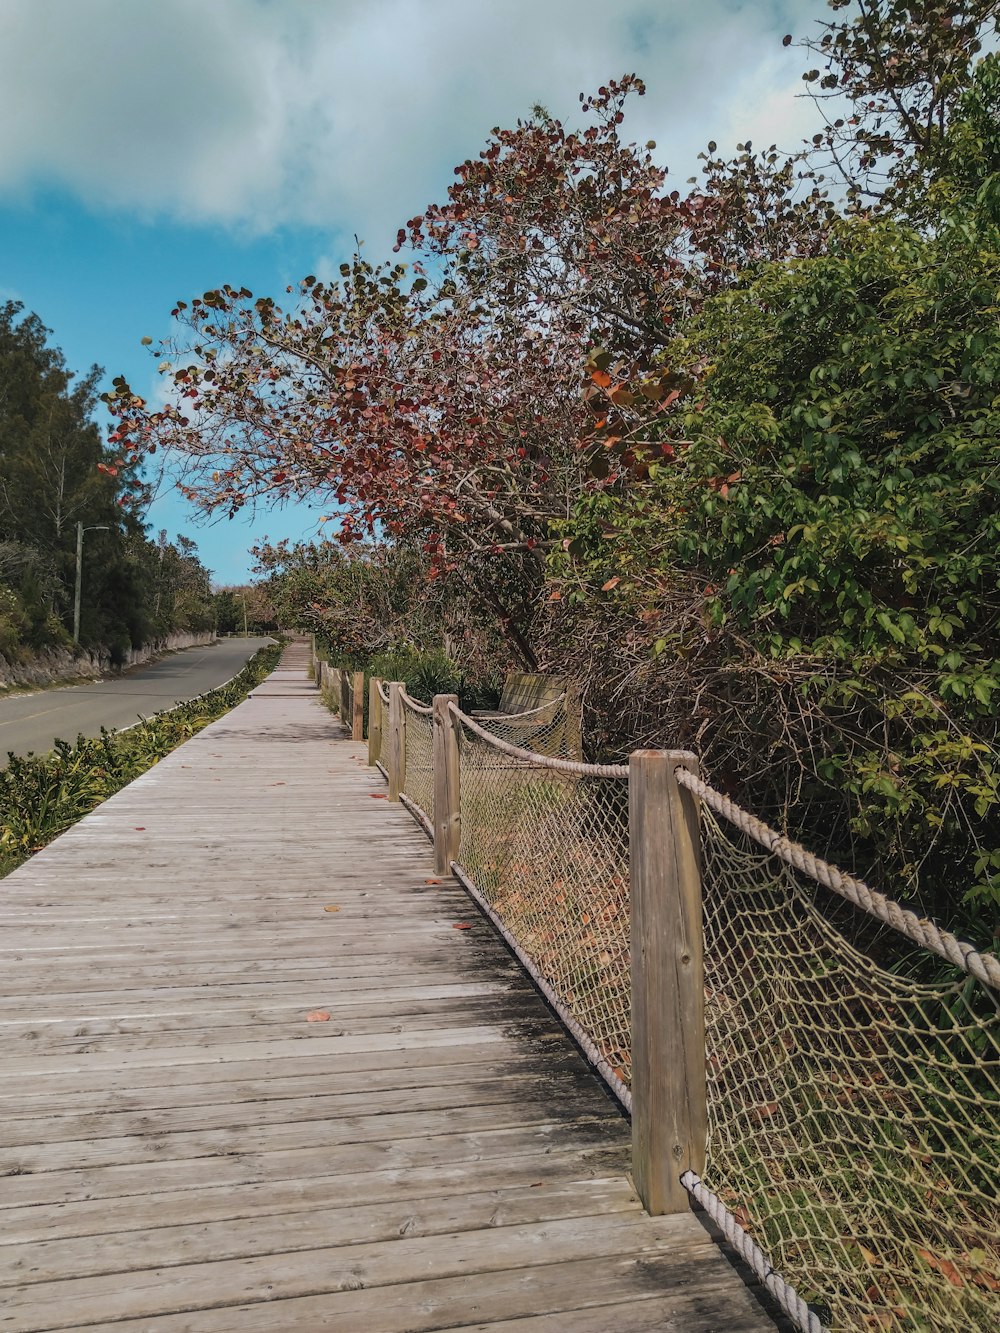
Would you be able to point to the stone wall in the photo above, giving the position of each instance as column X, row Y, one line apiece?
column 62, row 664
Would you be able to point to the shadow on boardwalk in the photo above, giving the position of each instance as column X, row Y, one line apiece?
column 184, row 1149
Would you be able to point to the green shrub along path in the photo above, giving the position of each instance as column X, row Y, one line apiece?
column 43, row 795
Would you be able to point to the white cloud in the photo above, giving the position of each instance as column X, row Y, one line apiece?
column 349, row 114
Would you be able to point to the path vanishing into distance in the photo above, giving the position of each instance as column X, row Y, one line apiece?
column 252, row 1077
column 33, row 722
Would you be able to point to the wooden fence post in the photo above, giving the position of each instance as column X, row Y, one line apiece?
column 313, row 658
column 669, row 1117
column 324, row 672
column 447, row 784
column 358, row 695
column 374, row 722
column 397, row 741
column 344, row 710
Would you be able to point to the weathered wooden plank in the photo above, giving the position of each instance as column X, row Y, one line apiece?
column 332, row 1223
column 685, row 1297
column 706, row 1309
column 453, row 1061
column 255, row 1080
column 320, row 1098
column 215, row 1028
column 175, row 1000
column 305, row 1270
column 590, row 1144
column 218, row 1203
column 266, row 1049
column 159, row 1138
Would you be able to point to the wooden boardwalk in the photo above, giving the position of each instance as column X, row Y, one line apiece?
column 182, row 1148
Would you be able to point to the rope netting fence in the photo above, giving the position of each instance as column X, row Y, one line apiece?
column 418, row 762
column 853, row 1096
column 545, row 843
column 853, row 1070
column 377, row 728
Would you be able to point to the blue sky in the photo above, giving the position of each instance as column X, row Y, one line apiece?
column 149, row 151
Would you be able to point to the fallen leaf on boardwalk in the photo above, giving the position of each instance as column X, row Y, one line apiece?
column 277, row 784
column 331, row 909
column 535, row 1184
column 461, row 925
column 318, row 1016
column 432, row 881
column 378, row 795
column 140, row 828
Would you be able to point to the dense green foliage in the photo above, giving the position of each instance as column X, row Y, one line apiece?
column 43, row 795
column 56, row 472
column 383, row 604
column 832, row 501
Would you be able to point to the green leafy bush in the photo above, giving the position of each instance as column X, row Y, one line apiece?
column 425, row 674
column 822, row 527
column 43, row 795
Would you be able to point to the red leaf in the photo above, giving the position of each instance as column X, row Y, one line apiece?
column 944, row 1266
column 378, row 795
column 611, row 583
column 318, row 1016
column 461, row 925
column 601, row 378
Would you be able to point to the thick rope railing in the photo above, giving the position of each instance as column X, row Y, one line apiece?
column 383, row 692
column 414, row 705
column 984, row 967
column 539, row 760
column 751, row 1253
column 416, row 812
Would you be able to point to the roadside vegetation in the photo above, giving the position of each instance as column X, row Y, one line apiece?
column 42, row 796
column 726, row 453
column 57, row 472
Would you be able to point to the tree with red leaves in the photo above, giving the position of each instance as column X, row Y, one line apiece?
column 463, row 413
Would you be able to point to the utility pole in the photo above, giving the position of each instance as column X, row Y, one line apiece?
column 80, row 530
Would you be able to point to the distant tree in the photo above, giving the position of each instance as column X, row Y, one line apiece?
column 56, row 472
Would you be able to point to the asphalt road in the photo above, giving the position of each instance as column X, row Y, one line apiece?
column 34, row 721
